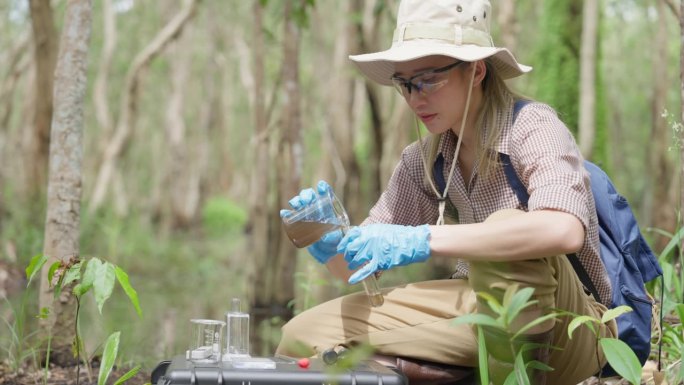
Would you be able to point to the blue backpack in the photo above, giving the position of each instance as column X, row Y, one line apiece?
column 628, row 259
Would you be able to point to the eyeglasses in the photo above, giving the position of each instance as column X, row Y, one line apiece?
column 425, row 82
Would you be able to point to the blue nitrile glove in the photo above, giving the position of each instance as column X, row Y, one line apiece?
column 326, row 247
column 381, row 247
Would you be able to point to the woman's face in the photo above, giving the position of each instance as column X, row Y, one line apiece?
column 437, row 90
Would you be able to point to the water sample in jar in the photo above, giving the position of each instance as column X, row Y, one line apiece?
column 325, row 214
column 237, row 339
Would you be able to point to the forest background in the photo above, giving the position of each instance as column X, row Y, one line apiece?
column 202, row 118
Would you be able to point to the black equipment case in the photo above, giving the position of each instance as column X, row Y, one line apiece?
column 280, row 371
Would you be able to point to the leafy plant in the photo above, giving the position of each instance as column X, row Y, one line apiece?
column 618, row 354
column 221, row 215
column 18, row 348
column 99, row 278
column 514, row 302
column 670, row 345
column 673, row 348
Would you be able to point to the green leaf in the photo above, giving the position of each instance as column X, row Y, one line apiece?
column 482, row 356
column 511, row 380
column 534, row 323
column 621, row 357
column 680, row 312
column 44, row 313
column 578, row 321
column 672, row 244
column 73, row 274
column 128, row 375
column 538, row 365
column 614, row 313
column 122, row 277
column 92, row 267
column 476, row 319
column 51, row 271
column 520, row 370
column 509, row 293
column 109, row 353
column 519, row 302
column 34, row 267
column 492, row 302
column 103, row 283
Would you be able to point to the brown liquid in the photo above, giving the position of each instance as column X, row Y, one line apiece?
column 376, row 300
column 303, row 234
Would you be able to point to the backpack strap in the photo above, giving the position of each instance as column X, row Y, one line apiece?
column 437, row 173
column 523, row 196
column 511, row 176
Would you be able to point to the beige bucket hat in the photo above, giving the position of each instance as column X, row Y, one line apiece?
column 455, row 28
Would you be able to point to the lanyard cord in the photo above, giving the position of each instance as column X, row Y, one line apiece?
column 443, row 196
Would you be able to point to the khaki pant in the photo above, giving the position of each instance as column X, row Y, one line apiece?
column 416, row 319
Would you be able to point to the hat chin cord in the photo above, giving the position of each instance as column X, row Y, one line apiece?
column 443, row 196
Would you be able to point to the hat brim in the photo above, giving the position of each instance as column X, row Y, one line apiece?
column 379, row 66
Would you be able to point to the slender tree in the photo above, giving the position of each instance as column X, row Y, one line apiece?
column 18, row 63
column 119, row 141
column 557, row 58
column 45, row 53
column 62, row 224
column 508, row 24
column 587, row 100
column 367, row 33
column 260, row 225
column 660, row 207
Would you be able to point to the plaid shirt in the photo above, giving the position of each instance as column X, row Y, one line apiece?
column 545, row 157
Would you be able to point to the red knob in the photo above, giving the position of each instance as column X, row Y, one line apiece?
column 303, row 363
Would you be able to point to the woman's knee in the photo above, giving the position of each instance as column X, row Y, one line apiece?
column 292, row 340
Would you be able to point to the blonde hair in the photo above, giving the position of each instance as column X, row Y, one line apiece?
column 497, row 96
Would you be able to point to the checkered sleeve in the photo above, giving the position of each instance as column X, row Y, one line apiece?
column 546, row 157
column 548, row 160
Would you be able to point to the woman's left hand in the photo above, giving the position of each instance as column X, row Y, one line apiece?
column 381, row 247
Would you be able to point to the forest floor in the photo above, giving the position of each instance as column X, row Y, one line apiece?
column 59, row 375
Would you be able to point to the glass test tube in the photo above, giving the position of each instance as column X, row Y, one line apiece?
column 370, row 284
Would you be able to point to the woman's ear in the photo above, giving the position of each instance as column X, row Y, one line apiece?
column 480, row 72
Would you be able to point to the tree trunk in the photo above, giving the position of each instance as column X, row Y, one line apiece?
column 101, row 87
column 62, row 224
column 662, row 205
column 367, row 31
column 274, row 284
column 587, row 108
column 45, row 52
column 261, row 244
column 183, row 178
column 118, row 143
column 337, row 164
column 18, row 64
column 508, row 24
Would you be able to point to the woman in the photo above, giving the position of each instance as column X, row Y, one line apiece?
column 443, row 62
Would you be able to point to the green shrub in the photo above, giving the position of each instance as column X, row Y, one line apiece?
column 221, row 215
